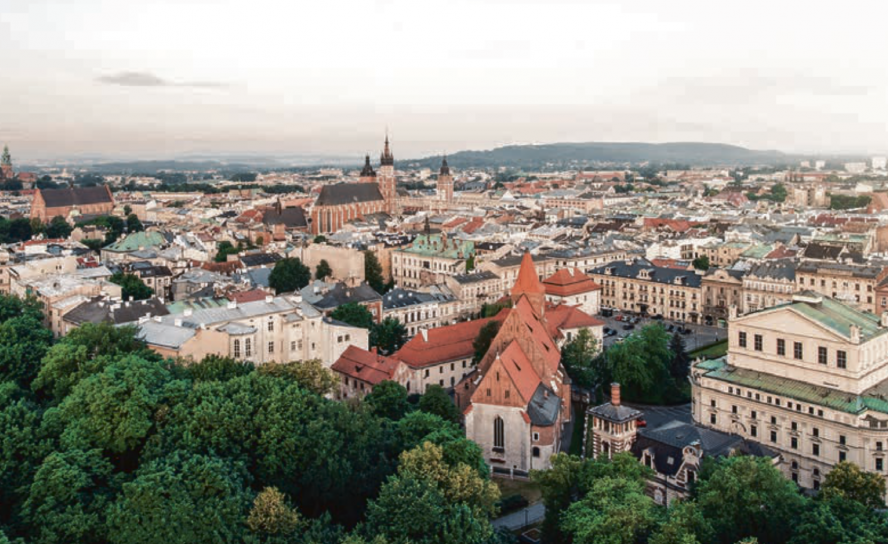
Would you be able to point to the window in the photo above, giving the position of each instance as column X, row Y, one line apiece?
column 797, row 350
column 712, row 403
column 842, row 440
column 815, row 431
column 795, row 426
column 248, row 347
column 774, row 436
column 536, row 437
column 237, row 352
column 271, row 347
column 270, row 326
column 841, row 359
column 794, row 443
column 773, row 420
column 815, row 450
column 781, row 347
column 742, row 339
column 753, row 431
column 757, row 342
column 499, row 439
column 536, row 451
column 734, row 409
column 712, row 419
column 293, row 345
column 879, row 464
column 821, row 355
column 878, row 446
column 842, row 456
column 753, row 414
column 427, row 373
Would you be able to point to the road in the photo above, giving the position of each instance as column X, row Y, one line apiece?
column 701, row 335
column 522, row 518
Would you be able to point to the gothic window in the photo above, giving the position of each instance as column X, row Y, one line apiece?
column 499, row 439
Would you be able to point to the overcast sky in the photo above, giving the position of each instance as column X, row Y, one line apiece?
column 172, row 77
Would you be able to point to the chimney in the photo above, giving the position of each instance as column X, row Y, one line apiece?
column 178, row 322
column 188, row 312
column 425, row 335
column 615, row 394
column 269, row 299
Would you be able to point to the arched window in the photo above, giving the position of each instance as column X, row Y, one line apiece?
column 499, row 438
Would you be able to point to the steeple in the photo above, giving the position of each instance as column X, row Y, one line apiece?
column 445, row 170
column 367, row 171
column 386, row 159
column 528, row 284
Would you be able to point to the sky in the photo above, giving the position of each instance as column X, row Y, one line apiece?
column 178, row 78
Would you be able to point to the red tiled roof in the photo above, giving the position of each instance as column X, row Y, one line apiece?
column 515, row 363
column 365, row 365
column 473, row 225
column 248, row 296
column 676, row 225
column 527, row 282
column 446, row 343
column 567, row 282
column 671, row 263
column 564, row 317
column 227, row 267
column 539, row 333
column 782, row 252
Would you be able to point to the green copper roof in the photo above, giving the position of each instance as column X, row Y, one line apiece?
column 758, row 251
column 786, row 388
column 137, row 240
column 840, row 317
column 438, row 245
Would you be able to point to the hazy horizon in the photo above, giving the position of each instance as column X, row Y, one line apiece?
column 127, row 80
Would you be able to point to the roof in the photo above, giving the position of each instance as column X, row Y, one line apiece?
column 342, row 294
column 528, row 282
column 543, row 406
column 475, row 277
column 447, row 343
column 657, row 274
column 365, row 365
column 136, row 241
column 565, row 317
column 514, row 361
column 259, row 259
column 289, row 217
column 99, row 310
column 569, row 281
column 618, row 414
column 403, row 298
column 76, row 196
column 348, row 193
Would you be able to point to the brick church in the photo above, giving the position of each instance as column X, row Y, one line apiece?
column 517, row 402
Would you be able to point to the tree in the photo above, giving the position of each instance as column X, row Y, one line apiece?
column 748, row 496
column 323, row 270
column 19, row 230
column 133, row 224
column 131, row 286
column 701, row 263
column 846, row 480
column 836, row 519
column 388, row 336
column 271, row 515
column 224, row 249
column 353, row 314
column 319, row 239
column 127, row 209
column 641, row 365
column 93, row 243
column 218, row 368
column 558, row 486
column 388, row 399
column 373, row 272
column 6, row 160
column 182, row 498
column 482, row 342
column 68, row 497
column 685, row 524
column 470, row 263
column 680, row 364
column 615, row 511
column 58, row 228
column 436, row 401
column 582, row 361
column 289, row 275
column 311, row 375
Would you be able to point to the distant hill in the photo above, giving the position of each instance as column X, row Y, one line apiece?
column 611, row 153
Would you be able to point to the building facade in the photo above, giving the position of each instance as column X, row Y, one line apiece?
column 429, row 259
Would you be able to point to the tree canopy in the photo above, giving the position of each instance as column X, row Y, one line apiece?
column 289, row 274
column 131, row 286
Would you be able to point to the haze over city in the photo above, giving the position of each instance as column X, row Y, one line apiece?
column 171, row 78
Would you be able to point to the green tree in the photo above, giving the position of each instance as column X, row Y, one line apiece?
column 353, row 314
column 388, row 336
column 127, row 209
column 470, row 263
column 131, row 286
column 58, row 228
column 436, row 401
column 224, row 249
column 680, row 364
column 218, row 368
column 582, row 360
column 323, row 270
column 68, row 498
column 289, row 275
column 846, row 480
column 133, row 224
column 641, row 365
column 684, row 524
column 311, row 375
column 373, row 272
column 748, row 496
column 182, row 498
column 701, row 263
column 23, row 343
column 388, row 399
column 558, row 485
column 272, row 515
column 6, row 160
column 835, row 519
column 482, row 342
column 319, row 239
column 93, row 243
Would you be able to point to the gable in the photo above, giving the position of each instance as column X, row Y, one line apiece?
column 788, row 321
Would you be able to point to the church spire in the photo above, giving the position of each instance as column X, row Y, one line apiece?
column 445, row 169
column 387, row 159
column 528, row 285
column 367, row 172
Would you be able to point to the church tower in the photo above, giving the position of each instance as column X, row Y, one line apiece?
column 387, row 184
column 367, row 173
column 445, row 182
column 528, row 285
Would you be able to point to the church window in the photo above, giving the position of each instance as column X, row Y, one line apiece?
column 499, row 439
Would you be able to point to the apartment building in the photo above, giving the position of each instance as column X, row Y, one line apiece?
column 768, row 284
column 639, row 286
column 721, row 289
column 850, row 283
column 429, row 259
column 808, row 379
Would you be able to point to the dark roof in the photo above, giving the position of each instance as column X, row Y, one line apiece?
column 475, row 277
column 259, row 259
column 153, row 271
column 615, row 414
column 775, row 270
column 342, row 294
column 402, row 298
column 289, row 217
column 348, row 193
column 657, row 274
column 77, row 196
column 445, row 169
column 100, row 310
column 367, row 171
column 543, row 406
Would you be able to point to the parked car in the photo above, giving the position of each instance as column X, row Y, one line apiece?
column 628, row 327
column 658, row 317
column 686, row 331
column 670, row 327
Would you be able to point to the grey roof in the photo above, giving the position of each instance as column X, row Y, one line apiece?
column 515, row 260
column 259, row 276
column 232, row 312
column 348, row 193
column 260, row 259
column 657, row 274
column 99, row 310
column 856, row 271
column 780, row 269
column 342, row 294
column 165, row 334
column 199, row 276
column 475, row 277
column 289, row 217
column 404, row 298
column 543, row 406
column 77, row 196
column 615, row 414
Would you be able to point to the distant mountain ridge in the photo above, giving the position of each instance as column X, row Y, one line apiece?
column 615, row 153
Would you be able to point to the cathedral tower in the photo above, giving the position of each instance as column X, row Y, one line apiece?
column 367, row 173
column 387, row 184
column 445, row 182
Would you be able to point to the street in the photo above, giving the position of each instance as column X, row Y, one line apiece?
column 700, row 335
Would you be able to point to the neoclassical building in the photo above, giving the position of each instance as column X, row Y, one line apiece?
column 808, row 379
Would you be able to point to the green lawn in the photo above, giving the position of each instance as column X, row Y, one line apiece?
column 712, row 351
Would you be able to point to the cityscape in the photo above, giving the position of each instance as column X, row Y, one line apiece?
column 229, row 321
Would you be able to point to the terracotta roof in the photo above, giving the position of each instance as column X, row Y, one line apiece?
column 672, row 263
column 365, row 365
column 473, row 225
column 567, row 282
column 514, row 361
column 527, row 282
column 443, row 344
column 248, row 296
column 564, row 317
column 227, row 267
column 539, row 332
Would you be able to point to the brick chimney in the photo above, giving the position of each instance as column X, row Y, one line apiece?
column 615, row 394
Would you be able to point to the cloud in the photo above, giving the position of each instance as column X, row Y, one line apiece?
column 147, row 79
